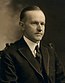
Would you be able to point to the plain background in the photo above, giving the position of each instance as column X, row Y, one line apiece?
column 55, row 22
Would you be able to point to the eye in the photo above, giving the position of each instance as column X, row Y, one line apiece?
column 42, row 23
column 34, row 23
column 37, row 23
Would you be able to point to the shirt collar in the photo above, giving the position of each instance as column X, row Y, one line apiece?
column 31, row 44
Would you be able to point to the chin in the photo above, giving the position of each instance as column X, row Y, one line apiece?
column 39, row 38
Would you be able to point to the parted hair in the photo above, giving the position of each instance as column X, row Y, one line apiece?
column 28, row 8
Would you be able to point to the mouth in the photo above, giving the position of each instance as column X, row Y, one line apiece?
column 39, row 34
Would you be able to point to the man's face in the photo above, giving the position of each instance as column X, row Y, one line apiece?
column 34, row 25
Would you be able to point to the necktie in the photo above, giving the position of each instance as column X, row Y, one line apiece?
column 39, row 59
column 38, row 54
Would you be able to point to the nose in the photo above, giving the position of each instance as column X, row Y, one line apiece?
column 39, row 28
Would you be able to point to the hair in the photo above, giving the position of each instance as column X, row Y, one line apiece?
column 29, row 8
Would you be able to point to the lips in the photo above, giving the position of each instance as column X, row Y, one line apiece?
column 38, row 33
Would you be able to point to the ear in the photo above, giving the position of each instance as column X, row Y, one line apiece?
column 21, row 23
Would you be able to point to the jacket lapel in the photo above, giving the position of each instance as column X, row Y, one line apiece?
column 46, row 57
column 25, row 51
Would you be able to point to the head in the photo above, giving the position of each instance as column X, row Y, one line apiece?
column 32, row 21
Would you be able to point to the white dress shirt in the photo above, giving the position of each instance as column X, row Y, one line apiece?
column 31, row 45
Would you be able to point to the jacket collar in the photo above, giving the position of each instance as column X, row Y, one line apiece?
column 24, row 50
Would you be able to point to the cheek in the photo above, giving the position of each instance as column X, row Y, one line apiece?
column 31, row 29
column 43, row 29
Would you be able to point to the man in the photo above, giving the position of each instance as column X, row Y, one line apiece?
column 19, row 63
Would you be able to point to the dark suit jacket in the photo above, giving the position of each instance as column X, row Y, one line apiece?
column 18, row 65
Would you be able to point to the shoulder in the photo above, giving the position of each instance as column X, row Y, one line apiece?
column 49, row 48
column 11, row 46
column 49, row 45
column 8, row 51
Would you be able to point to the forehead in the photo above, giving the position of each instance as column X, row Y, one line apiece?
column 35, row 15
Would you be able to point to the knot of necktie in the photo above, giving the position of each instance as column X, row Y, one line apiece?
column 37, row 48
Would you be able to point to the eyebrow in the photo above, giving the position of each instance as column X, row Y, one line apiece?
column 36, row 22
